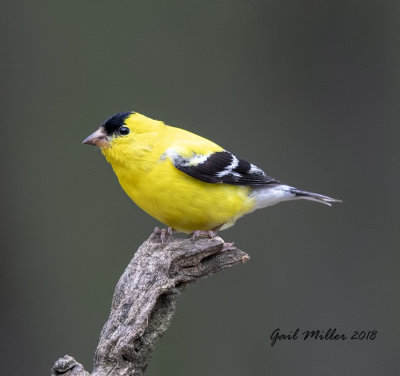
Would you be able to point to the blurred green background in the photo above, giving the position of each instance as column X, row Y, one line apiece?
column 307, row 90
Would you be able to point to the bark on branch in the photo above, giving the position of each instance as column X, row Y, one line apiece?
column 144, row 301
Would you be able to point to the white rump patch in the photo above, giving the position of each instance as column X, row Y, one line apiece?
column 267, row 196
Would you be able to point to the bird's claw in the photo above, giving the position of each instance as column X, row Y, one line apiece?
column 164, row 234
column 203, row 234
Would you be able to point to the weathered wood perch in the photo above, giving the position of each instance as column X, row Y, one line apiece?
column 144, row 301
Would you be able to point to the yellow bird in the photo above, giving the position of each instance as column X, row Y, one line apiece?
column 184, row 180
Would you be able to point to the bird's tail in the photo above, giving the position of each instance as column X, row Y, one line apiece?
column 313, row 197
column 274, row 193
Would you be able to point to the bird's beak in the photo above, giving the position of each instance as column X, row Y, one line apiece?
column 98, row 138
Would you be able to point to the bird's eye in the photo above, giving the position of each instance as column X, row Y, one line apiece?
column 124, row 131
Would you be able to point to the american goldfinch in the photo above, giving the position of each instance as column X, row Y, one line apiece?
column 184, row 180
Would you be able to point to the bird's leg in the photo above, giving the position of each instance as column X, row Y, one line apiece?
column 201, row 234
column 156, row 233
column 164, row 234
column 211, row 234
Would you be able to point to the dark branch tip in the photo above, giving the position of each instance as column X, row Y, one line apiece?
column 64, row 365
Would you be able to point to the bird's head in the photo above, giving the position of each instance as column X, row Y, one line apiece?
column 120, row 133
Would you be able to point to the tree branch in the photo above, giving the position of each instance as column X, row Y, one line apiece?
column 144, row 301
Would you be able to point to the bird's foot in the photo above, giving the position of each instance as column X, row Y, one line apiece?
column 164, row 234
column 203, row 234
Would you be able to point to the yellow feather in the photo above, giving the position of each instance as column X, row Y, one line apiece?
column 169, row 195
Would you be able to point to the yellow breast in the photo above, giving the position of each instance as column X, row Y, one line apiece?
column 169, row 195
column 185, row 203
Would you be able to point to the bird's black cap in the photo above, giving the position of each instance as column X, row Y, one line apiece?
column 115, row 122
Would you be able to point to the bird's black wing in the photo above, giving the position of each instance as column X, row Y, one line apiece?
column 222, row 167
